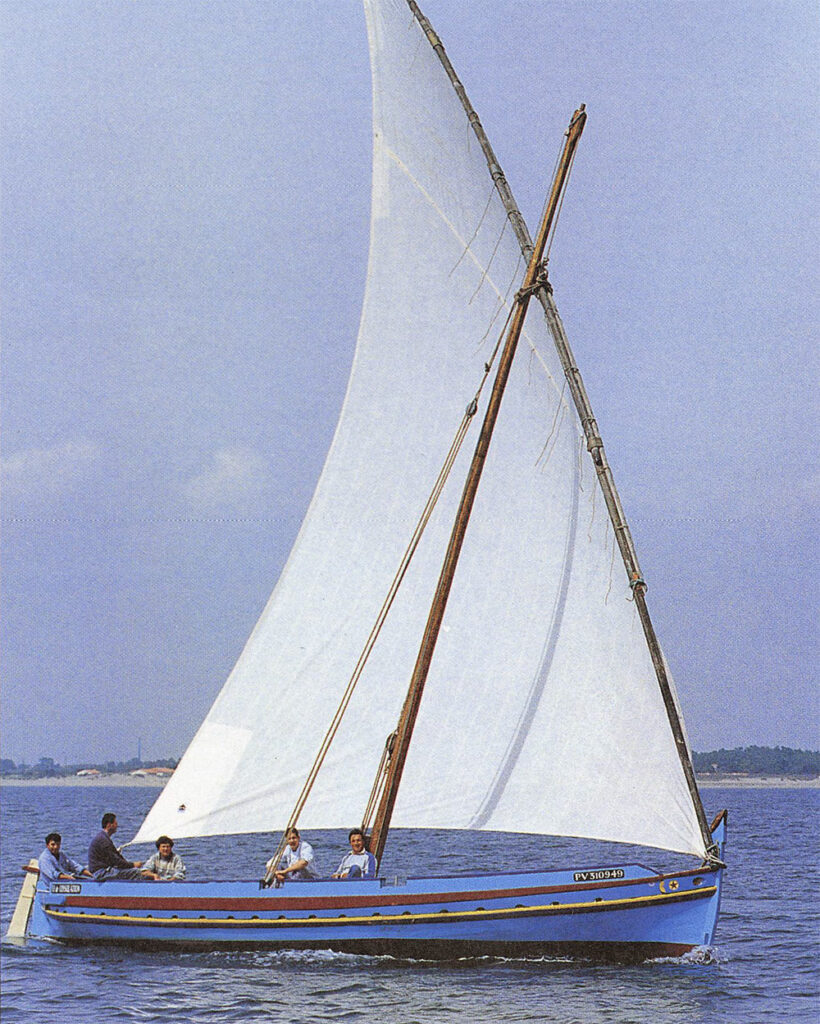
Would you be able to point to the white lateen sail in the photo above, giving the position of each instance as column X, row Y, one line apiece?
column 542, row 711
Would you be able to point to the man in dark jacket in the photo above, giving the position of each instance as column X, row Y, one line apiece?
column 104, row 859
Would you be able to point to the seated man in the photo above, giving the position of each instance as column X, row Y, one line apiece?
column 164, row 865
column 55, row 864
column 104, row 859
column 359, row 863
column 298, row 860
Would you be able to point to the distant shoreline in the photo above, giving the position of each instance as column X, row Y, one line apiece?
column 711, row 781
column 96, row 782
column 756, row 782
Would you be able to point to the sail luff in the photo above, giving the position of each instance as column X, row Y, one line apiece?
column 514, row 215
column 436, row 616
column 595, row 444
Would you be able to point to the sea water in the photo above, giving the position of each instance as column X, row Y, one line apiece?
column 763, row 967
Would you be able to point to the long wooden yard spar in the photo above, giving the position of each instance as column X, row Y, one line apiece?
column 531, row 283
column 595, row 445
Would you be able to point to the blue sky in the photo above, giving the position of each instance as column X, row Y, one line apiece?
column 185, row 224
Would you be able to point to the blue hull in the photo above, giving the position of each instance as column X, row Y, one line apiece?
column 625, row 912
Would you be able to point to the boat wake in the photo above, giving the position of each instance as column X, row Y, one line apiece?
column 700, row 955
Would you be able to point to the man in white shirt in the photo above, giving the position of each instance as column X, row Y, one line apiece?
column 298, row 860
column 359, row 863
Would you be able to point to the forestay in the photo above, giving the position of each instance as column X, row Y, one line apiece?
column 541, row 712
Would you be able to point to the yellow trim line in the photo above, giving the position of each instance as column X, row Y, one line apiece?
column 376, row 918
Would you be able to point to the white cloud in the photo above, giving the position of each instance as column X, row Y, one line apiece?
column 237, row 480
column 38, row 472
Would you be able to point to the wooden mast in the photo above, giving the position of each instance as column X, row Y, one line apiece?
column 532, row 282
column 595, row 446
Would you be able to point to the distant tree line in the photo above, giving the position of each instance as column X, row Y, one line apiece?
column 759, row 761
column 747, row 760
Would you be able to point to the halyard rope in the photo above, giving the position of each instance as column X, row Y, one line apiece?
column 427, row 512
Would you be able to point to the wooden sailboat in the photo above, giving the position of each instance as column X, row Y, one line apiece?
column 484, row 579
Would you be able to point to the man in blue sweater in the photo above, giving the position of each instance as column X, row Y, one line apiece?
column 104, row 859
column 54, row 864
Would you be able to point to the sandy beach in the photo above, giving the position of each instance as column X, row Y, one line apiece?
column 704, row 782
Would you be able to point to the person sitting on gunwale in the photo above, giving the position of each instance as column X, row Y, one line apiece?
column 104, row 859
column 359, row 863
column 164, row 865
column 54, row 864
column 298, row 860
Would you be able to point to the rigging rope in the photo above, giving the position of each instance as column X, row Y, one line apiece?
column 521, row 297
column 557, row 217
column 466, row 248
column 427, row 512
column 486, row 269
column 378, row 782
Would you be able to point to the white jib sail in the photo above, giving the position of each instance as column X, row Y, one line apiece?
column 541, row 711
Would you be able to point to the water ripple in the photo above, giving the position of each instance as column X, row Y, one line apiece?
column 762, row 969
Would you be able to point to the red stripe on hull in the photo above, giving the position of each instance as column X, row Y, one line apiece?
column 338, row 902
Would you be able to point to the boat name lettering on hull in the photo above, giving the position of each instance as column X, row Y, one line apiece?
column 597, row 876
column 61, row 887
